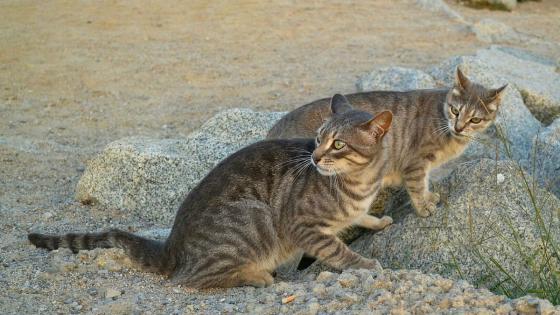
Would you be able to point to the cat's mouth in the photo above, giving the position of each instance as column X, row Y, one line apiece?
column 459, row 135
column 325, row 170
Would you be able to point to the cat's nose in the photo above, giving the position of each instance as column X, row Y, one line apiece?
column 459, row 129
column 316, row 159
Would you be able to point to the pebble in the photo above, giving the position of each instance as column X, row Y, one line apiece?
column 112, row 293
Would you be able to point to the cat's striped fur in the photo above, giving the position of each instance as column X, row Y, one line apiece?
column 264, row 204
column 430, row 127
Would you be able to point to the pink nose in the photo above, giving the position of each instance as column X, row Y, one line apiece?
column 316, row 159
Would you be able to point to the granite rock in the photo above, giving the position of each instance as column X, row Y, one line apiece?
column 483, row 218
column 151, row 177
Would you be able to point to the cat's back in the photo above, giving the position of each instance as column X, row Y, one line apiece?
column 305, row 120
column 250, row 173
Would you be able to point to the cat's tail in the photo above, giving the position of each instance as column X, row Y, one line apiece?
column 151, row 255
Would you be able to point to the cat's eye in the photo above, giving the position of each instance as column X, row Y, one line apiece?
column 337, row 144
column 318, row 140
column 475, row 120
column 454, row 110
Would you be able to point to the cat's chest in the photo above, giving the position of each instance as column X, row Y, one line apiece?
column 445, row 153
column 348, row 212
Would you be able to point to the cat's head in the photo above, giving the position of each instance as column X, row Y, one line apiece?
column 470, row 108
column 350, row 140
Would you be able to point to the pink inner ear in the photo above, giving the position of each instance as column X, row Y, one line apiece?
column 384, row 120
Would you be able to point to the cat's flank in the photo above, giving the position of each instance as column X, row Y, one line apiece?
column 430, row 127
column 264, row 204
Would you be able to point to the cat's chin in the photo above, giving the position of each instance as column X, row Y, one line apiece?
column 325, row 172
column 459, row 135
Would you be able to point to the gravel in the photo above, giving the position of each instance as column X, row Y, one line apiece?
column 349, row 292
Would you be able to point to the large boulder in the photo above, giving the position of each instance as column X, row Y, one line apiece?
column 535, row 77
column 544, row 162
column 491, row 226
column 150, row 177
column 395, row 79
column 515, row 125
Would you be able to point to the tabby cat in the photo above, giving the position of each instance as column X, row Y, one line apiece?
column 430, row 127
column 264, row 204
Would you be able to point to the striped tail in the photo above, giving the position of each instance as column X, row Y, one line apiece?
column 150, row 254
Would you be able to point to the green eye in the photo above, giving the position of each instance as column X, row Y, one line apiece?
column 454, row 110
column 475, row 120
column 337, row 144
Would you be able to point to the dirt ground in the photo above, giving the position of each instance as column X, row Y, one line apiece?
column 76, row 75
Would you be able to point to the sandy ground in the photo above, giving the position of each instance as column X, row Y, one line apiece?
column 76, row 75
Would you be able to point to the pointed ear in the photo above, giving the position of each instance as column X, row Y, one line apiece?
column 339, row 104
column 380, row 124
column 495, row 97
column 461, row 81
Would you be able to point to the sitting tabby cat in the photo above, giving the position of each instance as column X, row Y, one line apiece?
column 264, row 204
column 430, row 127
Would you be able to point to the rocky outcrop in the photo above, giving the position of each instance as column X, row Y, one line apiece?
column 535, row 77
column 150, row 177
column 486, row 229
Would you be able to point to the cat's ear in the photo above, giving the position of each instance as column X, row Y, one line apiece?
column 461, row 81
column 496, row 97
column 339, row 104
column 380, row 124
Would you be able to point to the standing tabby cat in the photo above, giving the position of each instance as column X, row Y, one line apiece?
column 264, row 204
column 430, row 127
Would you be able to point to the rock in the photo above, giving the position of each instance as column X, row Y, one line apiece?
column 507, row 5
column 439, row 6
column 534, row 76
column 479, row 223
column 396, row 79
column 490, row 30
column 150, row 177
column 514, row 120
column 544, row 163
column 112, row 293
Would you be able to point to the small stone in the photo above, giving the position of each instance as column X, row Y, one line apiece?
column 288, row 299
column 500, row 178
column 347, row 280
column 326, row 276
column 92, row 291
column 320, row 290
column 112, row 293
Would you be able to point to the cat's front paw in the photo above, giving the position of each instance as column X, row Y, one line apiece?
column 433, row 197
column 370, row 264
column 426, row 209
column 386, row 221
